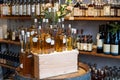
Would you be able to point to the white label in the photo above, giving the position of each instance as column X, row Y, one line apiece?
column 32, row 32
column 64, row 40
column 91, row 11
column 52, row 42
column 20, row 10
column 48, row 40
column 76, row 12
column 114, row 49
column 85, row 46
column 13, row 35
column 112, row 12
column 106, row 10
column 21, row 66
column 81, row 46
column 35, row 39
column 28, row 10
column 99, row 43
column 89, row 46
column 118, row 12
column 106, row 48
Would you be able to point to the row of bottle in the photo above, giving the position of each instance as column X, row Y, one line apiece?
column 25, row 8
column 85, row 43
column 104, row 73
column 108, row 42
column 46, row 38
column 97, row 8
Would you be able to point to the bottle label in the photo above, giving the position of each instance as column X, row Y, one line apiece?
column 99, row 43
column 106, row 10
column 81, row 12
column 81, row 46
column 85, row 46
column 17, row 9
column 118, row 12
column 89, row 46
column 106, row 48
column 115, row 49
column 35, row 39
column 91, row 11
column 13, row 35
column 64, row 40
column 21, row 66
column 52, row 42
column 76, row 12
column 112, row 12
column 48, row 40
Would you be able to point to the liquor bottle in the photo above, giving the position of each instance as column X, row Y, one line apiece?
column 13, row 8
column 107, row 8
column 47, row 38
column 97, row 10
column 81, row 40
column 115, row 45
column 28, row 8
column 118, row 10
column 24, row 7
column 107, row 44
column 69, row 38
column 4, row 8
column 42, row 7
column 38, row 8
column 17, row 7
column 59, row 38
column 76, row 8
column 9, row 3
column 89, row 43
column 113, row 9
column 85, row 43
column 100, row 39
column 91, row 8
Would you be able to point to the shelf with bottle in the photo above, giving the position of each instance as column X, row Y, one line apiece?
column 94, row 53
column 94, row 18
column 9, row 42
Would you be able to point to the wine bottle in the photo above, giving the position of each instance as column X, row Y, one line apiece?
column 115, row 45
column 91, row 8
column 100, row 39
column 106, row 45
column 76, row 8
column 89, row 43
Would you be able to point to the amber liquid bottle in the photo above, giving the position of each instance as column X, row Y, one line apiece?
column 26, row 57
column 69, row 38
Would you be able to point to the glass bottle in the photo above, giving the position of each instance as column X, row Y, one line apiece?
column 25, row 8
column 38, row 8
column 13, row 7
column 107, row 8
column 69, row 38
column 17, row 7
column 76, row 8
column 28, row 4
column 91, row 8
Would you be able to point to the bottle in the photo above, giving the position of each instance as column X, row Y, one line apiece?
column 20, row 7
column 28, row 8
column 91, row 8
column 13, row 7
column 76, row 8
column 42, row 7
column 69, row 38
column 100, row 39
column 107, row 44
column 107, row 8
column 9, row 3
column 113, row 9
column 59, row 37
column 85, row 43
column 38, row 8
column 81, row 40
column 17, row 7
column 4, row 8
column 24, row 8
column 118, row 10
column 115, row 45
column 89, row 43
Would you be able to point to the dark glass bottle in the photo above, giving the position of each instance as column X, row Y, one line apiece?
column 106, row 46
column 115, row 45
column 100, row 39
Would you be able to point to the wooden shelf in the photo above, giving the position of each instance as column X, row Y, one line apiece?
column 7, row 66
column 94, row 18
column 9, row 42
column 94, row 53
column 16, row 17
